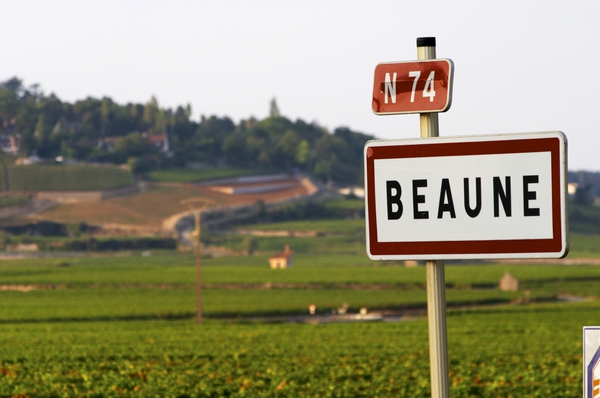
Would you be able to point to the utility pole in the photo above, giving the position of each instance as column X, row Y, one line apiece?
column 197, row 212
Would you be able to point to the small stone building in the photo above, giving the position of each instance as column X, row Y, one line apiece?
column 284, row 259
column 509, row 283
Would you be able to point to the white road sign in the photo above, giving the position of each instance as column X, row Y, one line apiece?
column 591, row 362
column 501, row 196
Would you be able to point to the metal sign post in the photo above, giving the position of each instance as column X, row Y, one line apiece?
column 436, row 278
column 423, row 87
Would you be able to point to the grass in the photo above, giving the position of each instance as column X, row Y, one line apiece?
column 66, row 178
column 104, row 303
column 348, row 237
column 584, row 219
column 163, row 286
column 13, row 200
column 321, row 270
column 584, row 246
column 346, row 204
column 197, row 175
column 321, row 226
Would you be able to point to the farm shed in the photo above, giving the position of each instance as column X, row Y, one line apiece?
column 284, row 259
column 509, row 283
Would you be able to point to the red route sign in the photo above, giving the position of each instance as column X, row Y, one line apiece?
column 413, row 87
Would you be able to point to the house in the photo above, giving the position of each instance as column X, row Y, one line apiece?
column 10, row 144
column 509, row 283
column 161, row 141
column 108, row 144
column 284, row 259
column 572, row 188
column 71, row 127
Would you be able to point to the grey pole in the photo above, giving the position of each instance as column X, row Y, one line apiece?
column 436, row 279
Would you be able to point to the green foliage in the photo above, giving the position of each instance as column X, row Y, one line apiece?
column 584, row 218
column 67, row 178
column 112, row 244
column 582, row 245
column 123, row 326
column 589, row 181
column 40, row 228
column 197, row 175
column 331, row 226
column 529, row 351
column 48, row 127
column 306, row 210
column 13, row 200
column 250, row 245
column 346, row 204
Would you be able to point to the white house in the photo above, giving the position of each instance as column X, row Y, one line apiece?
column 284, row 259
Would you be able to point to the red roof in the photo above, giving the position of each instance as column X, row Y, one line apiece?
column 284, row 254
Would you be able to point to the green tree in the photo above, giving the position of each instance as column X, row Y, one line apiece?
column 286, row 149
column 584, row 196
column 250, row 245
column 303, row 152
column 274, row 109
column 133, row 145
column 28, row 143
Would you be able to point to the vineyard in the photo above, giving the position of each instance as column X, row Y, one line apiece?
column 124, row 325
column 36, row 178
column 525, row 352
column 111, row 326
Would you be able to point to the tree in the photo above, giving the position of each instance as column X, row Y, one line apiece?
column 14, row 85
column 584, row 196
column 286, row 149
column 133, row 145
column 274, row 109
column 250, row 245
column 27, row 144
column 303, row 152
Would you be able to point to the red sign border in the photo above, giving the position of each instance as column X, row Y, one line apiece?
column 448, row 101
column 470, row 248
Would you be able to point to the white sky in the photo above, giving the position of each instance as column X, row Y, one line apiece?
column 520, row 66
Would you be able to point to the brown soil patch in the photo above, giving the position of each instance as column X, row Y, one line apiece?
column 152, row 207
column 28, row 288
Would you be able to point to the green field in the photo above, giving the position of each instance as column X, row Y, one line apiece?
column 124, row 326
column 33, row 178
column 13, row 200
column 348, row 204
column 348, row 237
column 196, row 175
column 162, row 286
column 524, row 351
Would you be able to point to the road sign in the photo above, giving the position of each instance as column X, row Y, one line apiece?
column 591, row 361
column 477, row 197
column 413, row 87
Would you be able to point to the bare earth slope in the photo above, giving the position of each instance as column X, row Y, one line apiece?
column 161, row 200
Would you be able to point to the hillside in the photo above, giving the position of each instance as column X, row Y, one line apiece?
column 149, row 137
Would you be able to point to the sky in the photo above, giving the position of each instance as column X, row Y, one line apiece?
column 520, row 66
